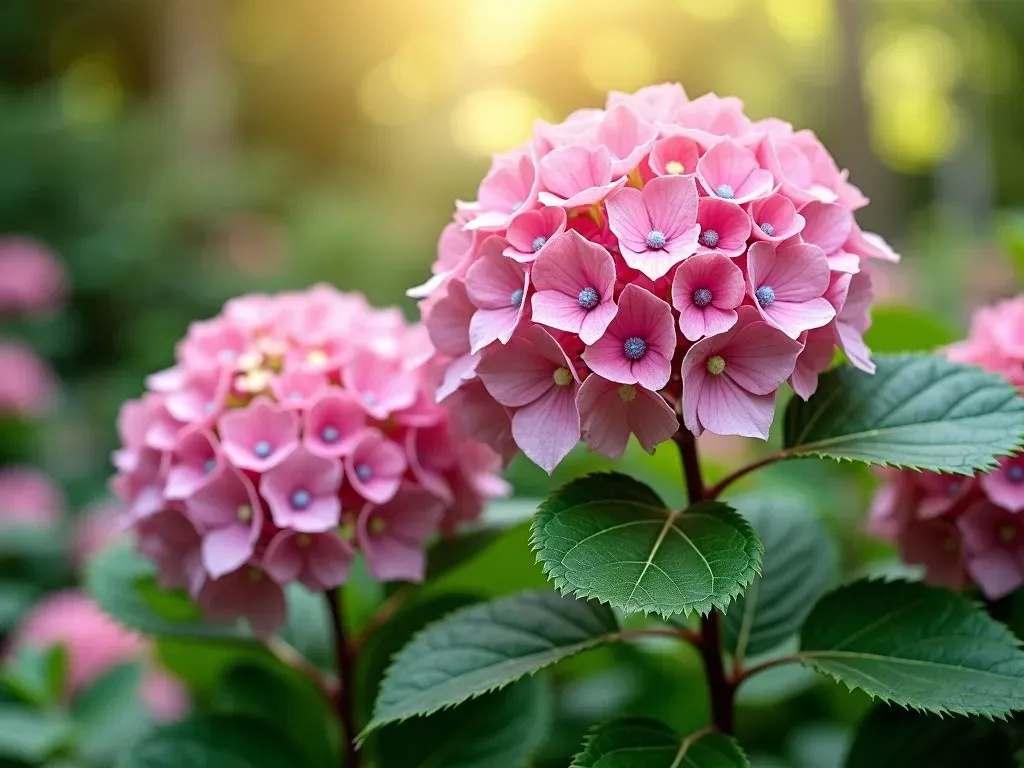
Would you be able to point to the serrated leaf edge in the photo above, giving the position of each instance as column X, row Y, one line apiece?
column 544, row 515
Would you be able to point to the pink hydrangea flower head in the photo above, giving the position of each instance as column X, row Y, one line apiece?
column 694, row 211
column 34, row 279
column 320, row 404
column 638, row 346
column 611, row 412
column 729, row 380
column 28, row 386
column 657, row 228
column 96, row 644
column 706, row 291
column 29, row 498
column 788, row 285
column 575, row 283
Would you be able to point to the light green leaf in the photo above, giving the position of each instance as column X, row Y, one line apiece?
column 800, row 564
column 37, row 675
column 32, row 735
column 288, row 702
column 212, row 742
column 123, row 583
column 917, row 646
column 640, row 742
column 110, row 714
column 609, row 537
column 485, row 647
column 907, row 329
column 894, row 738
column 308, row 628
column 502, row 729
column 917, row 411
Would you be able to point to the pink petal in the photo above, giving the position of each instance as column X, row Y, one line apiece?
column 674, row 149
column 491, row 325
column 548, row 429
column 828, row 225
column 759, row 358
column 996, row 572
column 558, row 310
column 725, row 408
column 571, row 263
column 516, row 375
column 671, row 203
column 608, row 418
column 226, row 550
column 628, row 219
column 596, row 322
column 282, row 558
column 333, row 425
column 730, row 222
column 796, row 317
column 491, row 281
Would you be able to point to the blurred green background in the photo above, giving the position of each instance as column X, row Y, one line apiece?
column 176, row 153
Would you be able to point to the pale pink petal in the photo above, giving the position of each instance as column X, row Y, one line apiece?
column 725, row 408
column 333, row 426
column 996, row 572
column 546, row 430
column 828, row 225
column 671, row 203
column 226, row 549
column 516, row 374
column 628, row 219
column 759, row 358
column 561, row 311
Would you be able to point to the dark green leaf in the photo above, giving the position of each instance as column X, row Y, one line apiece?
column 16, row 597
column 917, row 411
column 32, row 735
column 110, row 714
column 609, row 537
column 485, row 647
column 308, row 629
column 894, row 738
column 288, row 702
column 123, row 583
column 202, row 664
column 212, row 742
column 640, row 742
column 502, row 729
column 916, row 646
column 800, row 564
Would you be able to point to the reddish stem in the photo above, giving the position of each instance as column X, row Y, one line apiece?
column 345, row 700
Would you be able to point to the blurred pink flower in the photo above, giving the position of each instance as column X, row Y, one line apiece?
column 29, row 497
column 34, row 280
column 28, row 386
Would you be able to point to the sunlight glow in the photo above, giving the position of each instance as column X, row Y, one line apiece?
column 494, row 120
column 617, row 60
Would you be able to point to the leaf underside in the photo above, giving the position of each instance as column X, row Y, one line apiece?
column 641, row 742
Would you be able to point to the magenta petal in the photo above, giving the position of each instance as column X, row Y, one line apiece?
column 1003, row 489
column 548, row 429
column 282, row 558
column 226, row 550
column 996, row 572
column 596, row 322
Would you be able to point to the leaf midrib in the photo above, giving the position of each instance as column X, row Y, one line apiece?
column 818, row 655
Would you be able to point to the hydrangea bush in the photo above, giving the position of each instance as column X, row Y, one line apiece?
column 965, row 529
column 293, row 431
column 661, row 254
column 657, row 270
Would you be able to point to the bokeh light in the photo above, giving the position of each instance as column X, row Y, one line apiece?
column 494, row 120
column 91, row 91
column 618, row 60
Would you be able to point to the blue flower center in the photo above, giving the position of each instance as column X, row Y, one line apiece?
column 263, row 449
column 301, row 498
column 589, row 298
column 330, row 434
column 708, row 238
column 538, row 243
column 655, row 240
column 364, row 472
column 517, row 206
column 209, row 465
column 516, row 299
column 768, row 229
column 765, row 296
column 1015, row 473
column 725, row 192
column 954, row 488
column 702, row 297
column 634, row 347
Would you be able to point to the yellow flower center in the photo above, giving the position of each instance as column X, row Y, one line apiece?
column 317, row 357
column 249, row 361
column 347, row 531
column 562, row 377
column 303, row 540
column 675, row 167
column 378, row 526
column 244, row 513
column 627, row 393
column 253, row 381
column 255, row 575
column 1007, row 533
column 716, row 365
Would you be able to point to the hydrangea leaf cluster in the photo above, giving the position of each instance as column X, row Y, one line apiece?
column 657, row 257
column 965, row 530
column 292, row 431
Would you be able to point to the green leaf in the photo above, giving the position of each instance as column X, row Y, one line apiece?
column 609, row 537
column 503, row 729
column 288, row 702
column 32, row 735
column 907, row 329
column 123, row 583
column 212, row 742
column 640, row 742
column 202, row 664
column 800, row 564
column 485, row 647
column 110, row 714
column 917, row 646
column 37, row 675
column 916, row 411
column 499, row 515
column 308, row 629
column 895, row 738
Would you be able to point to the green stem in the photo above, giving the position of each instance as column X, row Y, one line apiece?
column 345, row 659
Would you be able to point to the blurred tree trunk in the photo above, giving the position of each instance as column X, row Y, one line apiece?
column 198, row 87
column 853, row 145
